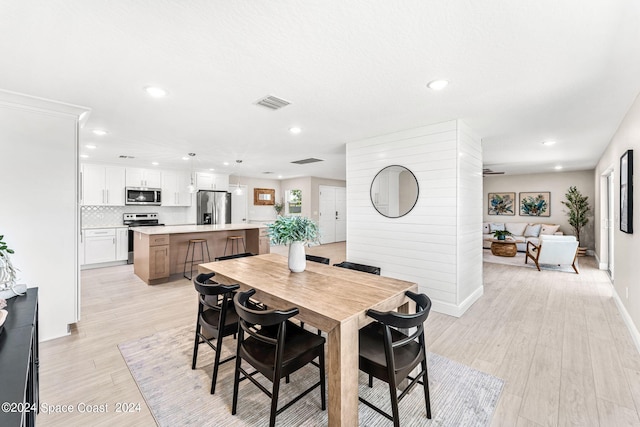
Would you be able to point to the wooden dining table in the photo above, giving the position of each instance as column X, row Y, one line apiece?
column 332, row 299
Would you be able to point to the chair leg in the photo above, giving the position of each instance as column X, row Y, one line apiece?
column 425, row 381
column 216, row 363
column 370, row 381
column 323, row 400
column 394, row 403
column 274, row 401
column 236, row 384
column 184, row 270
column 195, row 345
column 574, row 267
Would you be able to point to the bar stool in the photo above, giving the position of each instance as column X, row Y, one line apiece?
column 192, row 245
column 234, row 239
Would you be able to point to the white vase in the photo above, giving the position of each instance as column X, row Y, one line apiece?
column 297, row 259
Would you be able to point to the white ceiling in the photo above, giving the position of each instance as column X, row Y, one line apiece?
column 520, row 73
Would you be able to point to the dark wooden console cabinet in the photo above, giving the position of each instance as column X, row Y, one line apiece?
column 19, row 361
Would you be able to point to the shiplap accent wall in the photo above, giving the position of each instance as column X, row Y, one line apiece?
column 438, row 244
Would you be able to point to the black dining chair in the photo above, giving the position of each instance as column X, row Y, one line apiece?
column 217, row 319
column 242, row 255
column 276, row 348
column 391, row 355
column 320, row 259
column 359, row 267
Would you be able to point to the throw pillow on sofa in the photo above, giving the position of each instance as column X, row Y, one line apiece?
column 516, row 228
column 532, row 230
column 549, row 229
column 495, row 226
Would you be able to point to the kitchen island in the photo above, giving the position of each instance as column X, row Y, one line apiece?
column 159, row 252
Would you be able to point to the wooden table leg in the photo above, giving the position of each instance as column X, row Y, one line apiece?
column 342, row 360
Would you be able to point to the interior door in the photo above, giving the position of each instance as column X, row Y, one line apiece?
column 238, row 203
column 333, row 215
column 327, row 221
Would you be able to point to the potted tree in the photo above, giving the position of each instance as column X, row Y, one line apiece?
column 294, row 231
column 577, row 213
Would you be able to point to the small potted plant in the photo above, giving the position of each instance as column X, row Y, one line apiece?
column 294, row 231
column 7, row 271
column 278, row 206
column 578, row 213
column 501, row 234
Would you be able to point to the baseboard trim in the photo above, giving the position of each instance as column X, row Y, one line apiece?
column 633, row 330
column 457, row 310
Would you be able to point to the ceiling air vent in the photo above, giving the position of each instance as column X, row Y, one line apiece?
column 309, row 160
column 267, row 173
column 272, row 102
column 126, row 157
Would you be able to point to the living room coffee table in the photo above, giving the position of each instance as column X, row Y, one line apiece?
column 504, row 247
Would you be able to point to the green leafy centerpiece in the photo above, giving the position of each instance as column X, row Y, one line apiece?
column 501, row 234
column 294, row 231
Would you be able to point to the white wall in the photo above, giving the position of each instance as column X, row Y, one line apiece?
column 39, row 216
column 626, row 246
column 557, row 183
column 438, row 244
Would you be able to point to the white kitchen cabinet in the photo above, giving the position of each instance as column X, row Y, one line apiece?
column 174, row 188
column 102, row 185
column 99, row 245
column 212, row 181
column 149, row 178
column 122, row 244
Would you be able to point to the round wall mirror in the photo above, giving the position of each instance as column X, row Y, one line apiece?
column 394, row 191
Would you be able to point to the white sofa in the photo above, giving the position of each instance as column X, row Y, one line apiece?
column 521, row 232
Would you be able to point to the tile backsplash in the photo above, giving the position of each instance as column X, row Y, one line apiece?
column 107, row 216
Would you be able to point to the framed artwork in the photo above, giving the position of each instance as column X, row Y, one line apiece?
column 264, row 196
column 626, row 192
column 502, row 203
column 536, row 203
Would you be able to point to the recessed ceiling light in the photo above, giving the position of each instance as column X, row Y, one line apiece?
column 279, row 176
column 295, row 130
column 547, row 143
column 211, row 169
column 91, row 146
column 226, row 163
column 84, row 156
column 558, row 167
column 100, row 132
column 185, row 158
column 155, row 163
column 437, row 84
column 156, row 92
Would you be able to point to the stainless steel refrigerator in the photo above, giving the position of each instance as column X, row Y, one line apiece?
column 214, row 207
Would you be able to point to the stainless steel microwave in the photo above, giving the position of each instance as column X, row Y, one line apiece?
column 143, row 196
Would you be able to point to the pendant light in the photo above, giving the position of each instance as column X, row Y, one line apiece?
column 191, row 188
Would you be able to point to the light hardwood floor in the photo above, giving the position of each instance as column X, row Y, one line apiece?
column 557, row 339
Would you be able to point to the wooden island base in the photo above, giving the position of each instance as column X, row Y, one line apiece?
column 159, row 252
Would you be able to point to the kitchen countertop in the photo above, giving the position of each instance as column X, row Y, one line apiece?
column 95, row 227
column 178, row 229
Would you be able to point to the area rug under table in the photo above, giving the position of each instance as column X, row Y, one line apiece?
column 178, row 395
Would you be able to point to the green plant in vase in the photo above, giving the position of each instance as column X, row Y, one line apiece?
column 278, row 206
column 7, row 271
column 501, row 234
column 294, row 231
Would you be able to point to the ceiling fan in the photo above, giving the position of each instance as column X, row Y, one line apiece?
column 487, row 171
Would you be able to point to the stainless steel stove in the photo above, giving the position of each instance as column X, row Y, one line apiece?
column 138, row 220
